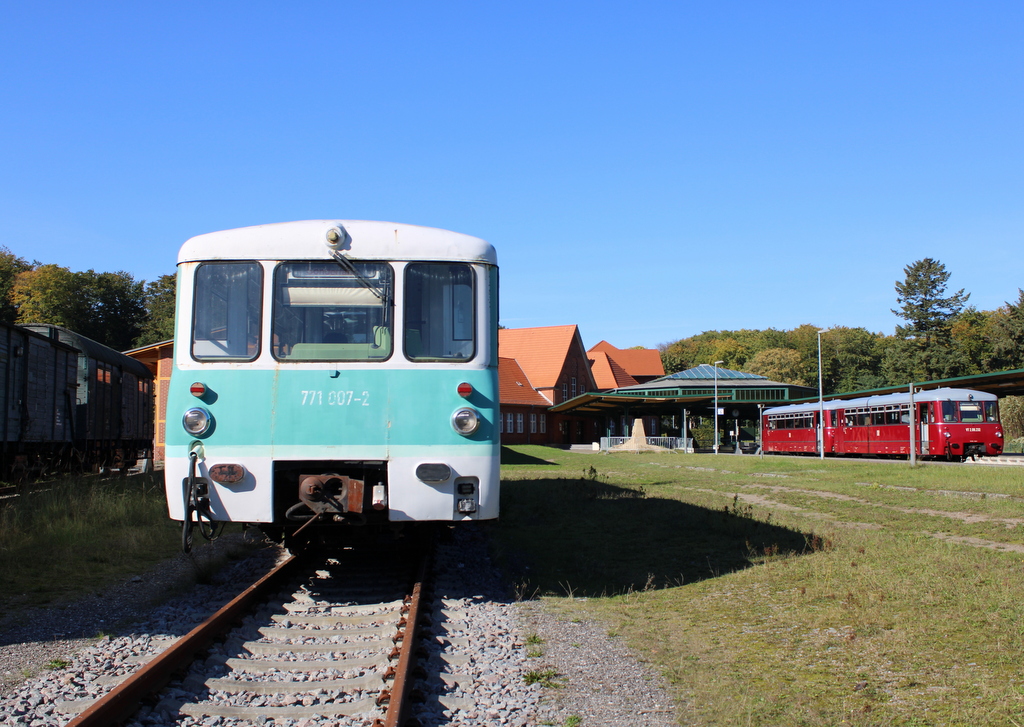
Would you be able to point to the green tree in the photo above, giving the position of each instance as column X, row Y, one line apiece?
column 850, row 359
column 10, row 267
column 781, row 364
column 927, row 351
column 971, row 338
column 106, row 307
column 49, row 294
column 159, row 300
column 804, row 340
column 1007, row 333
column 117, row 308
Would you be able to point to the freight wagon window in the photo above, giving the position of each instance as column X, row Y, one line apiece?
column 440, row 315
column 324, row 313
column 226, row 317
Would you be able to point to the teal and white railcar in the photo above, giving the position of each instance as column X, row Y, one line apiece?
column 335, row 374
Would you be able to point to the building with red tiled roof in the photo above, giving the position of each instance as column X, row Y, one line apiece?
column 554, row 363
column 642, row 364
column 608, row 374
column 524, row 417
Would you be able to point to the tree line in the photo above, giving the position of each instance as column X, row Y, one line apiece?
column 113, row 308
column 941, row 337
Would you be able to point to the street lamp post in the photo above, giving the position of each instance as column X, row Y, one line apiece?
column 821, row 404
column 716, row 405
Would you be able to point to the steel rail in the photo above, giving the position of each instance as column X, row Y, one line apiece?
column 123, row 700
column 397, row 708
column 398, row 702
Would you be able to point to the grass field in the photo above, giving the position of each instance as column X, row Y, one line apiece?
column 66, row 538
column 785, row 591
column 770, row 591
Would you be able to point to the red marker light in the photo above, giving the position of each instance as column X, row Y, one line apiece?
column 197, row 389
column 465, row 390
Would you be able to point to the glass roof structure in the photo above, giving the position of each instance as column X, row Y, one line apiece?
column 707, row 371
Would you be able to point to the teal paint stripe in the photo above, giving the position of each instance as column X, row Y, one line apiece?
column 298, row 407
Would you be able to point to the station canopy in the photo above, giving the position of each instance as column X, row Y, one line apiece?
column 692, row 387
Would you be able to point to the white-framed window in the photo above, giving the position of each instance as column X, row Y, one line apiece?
column 533, row 423
column 573, row 387
column 519, row 423
column 543, row 423
column 565, row 391
column 508, row 423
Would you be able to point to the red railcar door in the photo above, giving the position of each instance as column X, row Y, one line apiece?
column 923, row 429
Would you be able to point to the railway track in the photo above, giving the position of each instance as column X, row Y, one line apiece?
column 327, row 639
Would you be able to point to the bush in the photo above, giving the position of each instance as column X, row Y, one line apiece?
column 1011, row 412
column 704, row 434
column 1015, row 445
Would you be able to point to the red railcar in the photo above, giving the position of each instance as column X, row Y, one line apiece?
column 948, row 423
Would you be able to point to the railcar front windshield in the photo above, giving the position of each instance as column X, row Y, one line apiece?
column 970, row 412
column 324, row 313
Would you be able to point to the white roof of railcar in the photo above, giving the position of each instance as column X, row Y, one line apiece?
column 944, row 394
column 307, row 240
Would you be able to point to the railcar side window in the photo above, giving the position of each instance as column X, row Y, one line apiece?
column 226, row 313
column 323, row 312
column 991, row 411
column 440, row 312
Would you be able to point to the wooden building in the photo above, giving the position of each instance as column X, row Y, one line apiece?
column 158, row 358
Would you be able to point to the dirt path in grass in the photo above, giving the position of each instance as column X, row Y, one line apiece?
column 749, row 498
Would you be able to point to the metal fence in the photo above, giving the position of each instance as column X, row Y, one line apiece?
column 679, row 443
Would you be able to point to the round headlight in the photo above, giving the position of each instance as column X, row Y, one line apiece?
column 466, row 421
column 196, row 421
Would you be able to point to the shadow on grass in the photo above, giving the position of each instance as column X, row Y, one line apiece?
column 589, row 538
column 511, row 456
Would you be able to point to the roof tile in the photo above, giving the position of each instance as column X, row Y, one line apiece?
column 637, row 362
column 541, row 352
column 514, row 386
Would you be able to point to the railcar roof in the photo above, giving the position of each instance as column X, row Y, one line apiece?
column 900, row 398
column 307, row 240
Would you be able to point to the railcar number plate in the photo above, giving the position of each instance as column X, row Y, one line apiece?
column 335, row 397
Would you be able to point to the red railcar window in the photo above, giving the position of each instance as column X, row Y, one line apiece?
column 971, row 412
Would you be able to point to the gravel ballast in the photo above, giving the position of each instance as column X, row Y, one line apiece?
column 596, row 679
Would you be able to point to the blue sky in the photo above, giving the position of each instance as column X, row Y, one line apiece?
column 647, row 170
